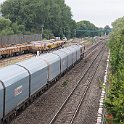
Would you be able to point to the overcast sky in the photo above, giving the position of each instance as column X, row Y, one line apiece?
column 99, row 12
column 1, row 1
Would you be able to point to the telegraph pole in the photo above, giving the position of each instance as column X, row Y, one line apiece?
column 42, row 26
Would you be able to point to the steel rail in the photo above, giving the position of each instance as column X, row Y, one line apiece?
column 67, row 99
column 84, row 94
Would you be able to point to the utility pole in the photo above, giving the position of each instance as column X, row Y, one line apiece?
column 42, row 26
column 75, row 33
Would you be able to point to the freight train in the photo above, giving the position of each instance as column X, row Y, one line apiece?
column 20, row 83
column 32, row 47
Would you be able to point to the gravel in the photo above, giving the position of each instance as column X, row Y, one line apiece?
column 89, row 109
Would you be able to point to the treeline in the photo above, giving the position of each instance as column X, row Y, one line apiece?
column 86, row 28
column 115, row 99
column 54, row 17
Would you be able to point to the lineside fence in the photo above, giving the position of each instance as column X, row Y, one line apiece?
column 19, row 39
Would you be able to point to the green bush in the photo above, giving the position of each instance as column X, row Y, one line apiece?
column 115, row 98
column 9, row 28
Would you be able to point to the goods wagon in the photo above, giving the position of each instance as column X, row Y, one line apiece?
column 63, row 60
column 1, row 99
column 19, row 83
column 43, row 46
column 82, row 48
column 14, row 50
column 53, row 62
column 74, row 53
column 69, row 56
column 16, row 84
column 37, row 46
column 78, row 51
column 33, row 47
column 38, row 71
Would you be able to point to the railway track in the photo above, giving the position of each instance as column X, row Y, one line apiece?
column 90, row 51
column 12, row 60
column 71, row 106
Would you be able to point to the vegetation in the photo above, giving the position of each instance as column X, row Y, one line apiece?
column 9, row 28
column 107, row 30
column 85, row 28
column 115, row 99
column 65, row 83
column 54, row 15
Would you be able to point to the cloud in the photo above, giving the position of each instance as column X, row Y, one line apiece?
column 99, row 12
column 1, row 1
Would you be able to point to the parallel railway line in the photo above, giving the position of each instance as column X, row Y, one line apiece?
column 67, row 114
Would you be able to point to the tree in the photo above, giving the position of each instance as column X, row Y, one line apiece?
column 85, row 29
column 9, row 28
column 115, row 98
column 47, row 34
column 55, row 15
column 107, row 29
